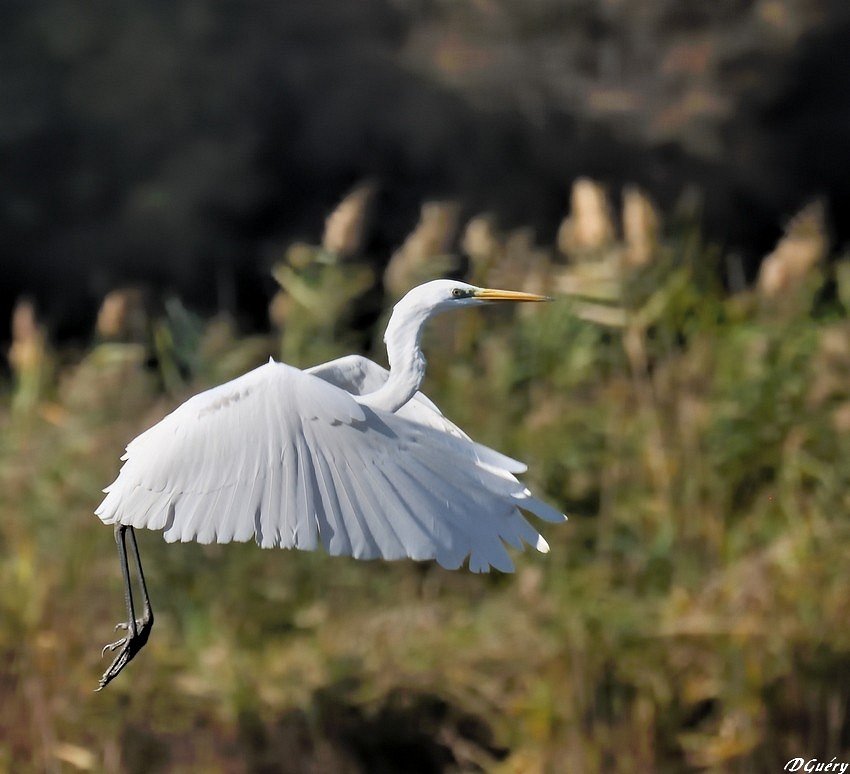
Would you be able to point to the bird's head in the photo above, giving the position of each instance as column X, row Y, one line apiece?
column 443, row 295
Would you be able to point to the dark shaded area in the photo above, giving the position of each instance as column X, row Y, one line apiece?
column 405, row 730
column 182, row 144
column 826, row 673
column 408, row 731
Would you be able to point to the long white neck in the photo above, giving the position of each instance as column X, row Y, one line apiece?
column 407, row 363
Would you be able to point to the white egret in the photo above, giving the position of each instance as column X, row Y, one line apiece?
column 346, row 455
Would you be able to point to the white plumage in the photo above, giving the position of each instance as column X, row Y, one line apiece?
column 346, row 455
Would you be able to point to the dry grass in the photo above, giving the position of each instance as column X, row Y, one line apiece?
column 692, row 614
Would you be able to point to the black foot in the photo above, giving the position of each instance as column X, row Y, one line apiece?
column 130, row 646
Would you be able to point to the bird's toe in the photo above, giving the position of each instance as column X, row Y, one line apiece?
column 110, row 646
column 129, row 647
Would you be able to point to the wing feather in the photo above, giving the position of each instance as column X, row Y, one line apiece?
column 207, row 529
column 332, row 527
column 363, row 542
column 307, row 525
column 449, row 542
column 380, row 524
column 277, row 478
column 245, row 517
column 410, row 530
column 227, row 526
column 461, row 505
column 290, row 459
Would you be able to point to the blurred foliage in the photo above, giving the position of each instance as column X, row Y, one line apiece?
column 691, row 615
column 317, row 292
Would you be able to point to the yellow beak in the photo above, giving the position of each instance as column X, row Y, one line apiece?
column 489, row 294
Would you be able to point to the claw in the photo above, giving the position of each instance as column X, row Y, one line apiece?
column 112, row 646
column 130, row 646
column 121, row 660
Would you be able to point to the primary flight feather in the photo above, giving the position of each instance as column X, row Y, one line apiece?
column 346, row 455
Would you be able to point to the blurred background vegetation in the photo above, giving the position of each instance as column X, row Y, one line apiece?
column 691, row 615
column 189, row 187
column 186, row 143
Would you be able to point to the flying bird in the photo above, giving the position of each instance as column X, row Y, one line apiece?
column 346, row 455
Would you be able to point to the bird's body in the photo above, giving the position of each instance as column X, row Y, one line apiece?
column 345, row 455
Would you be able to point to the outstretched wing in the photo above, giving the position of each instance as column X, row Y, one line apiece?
column 286, row 458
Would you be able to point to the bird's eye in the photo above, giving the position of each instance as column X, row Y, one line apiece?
column 459, row 293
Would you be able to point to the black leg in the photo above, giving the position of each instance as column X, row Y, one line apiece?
column 138, row 629
column 147, row 614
